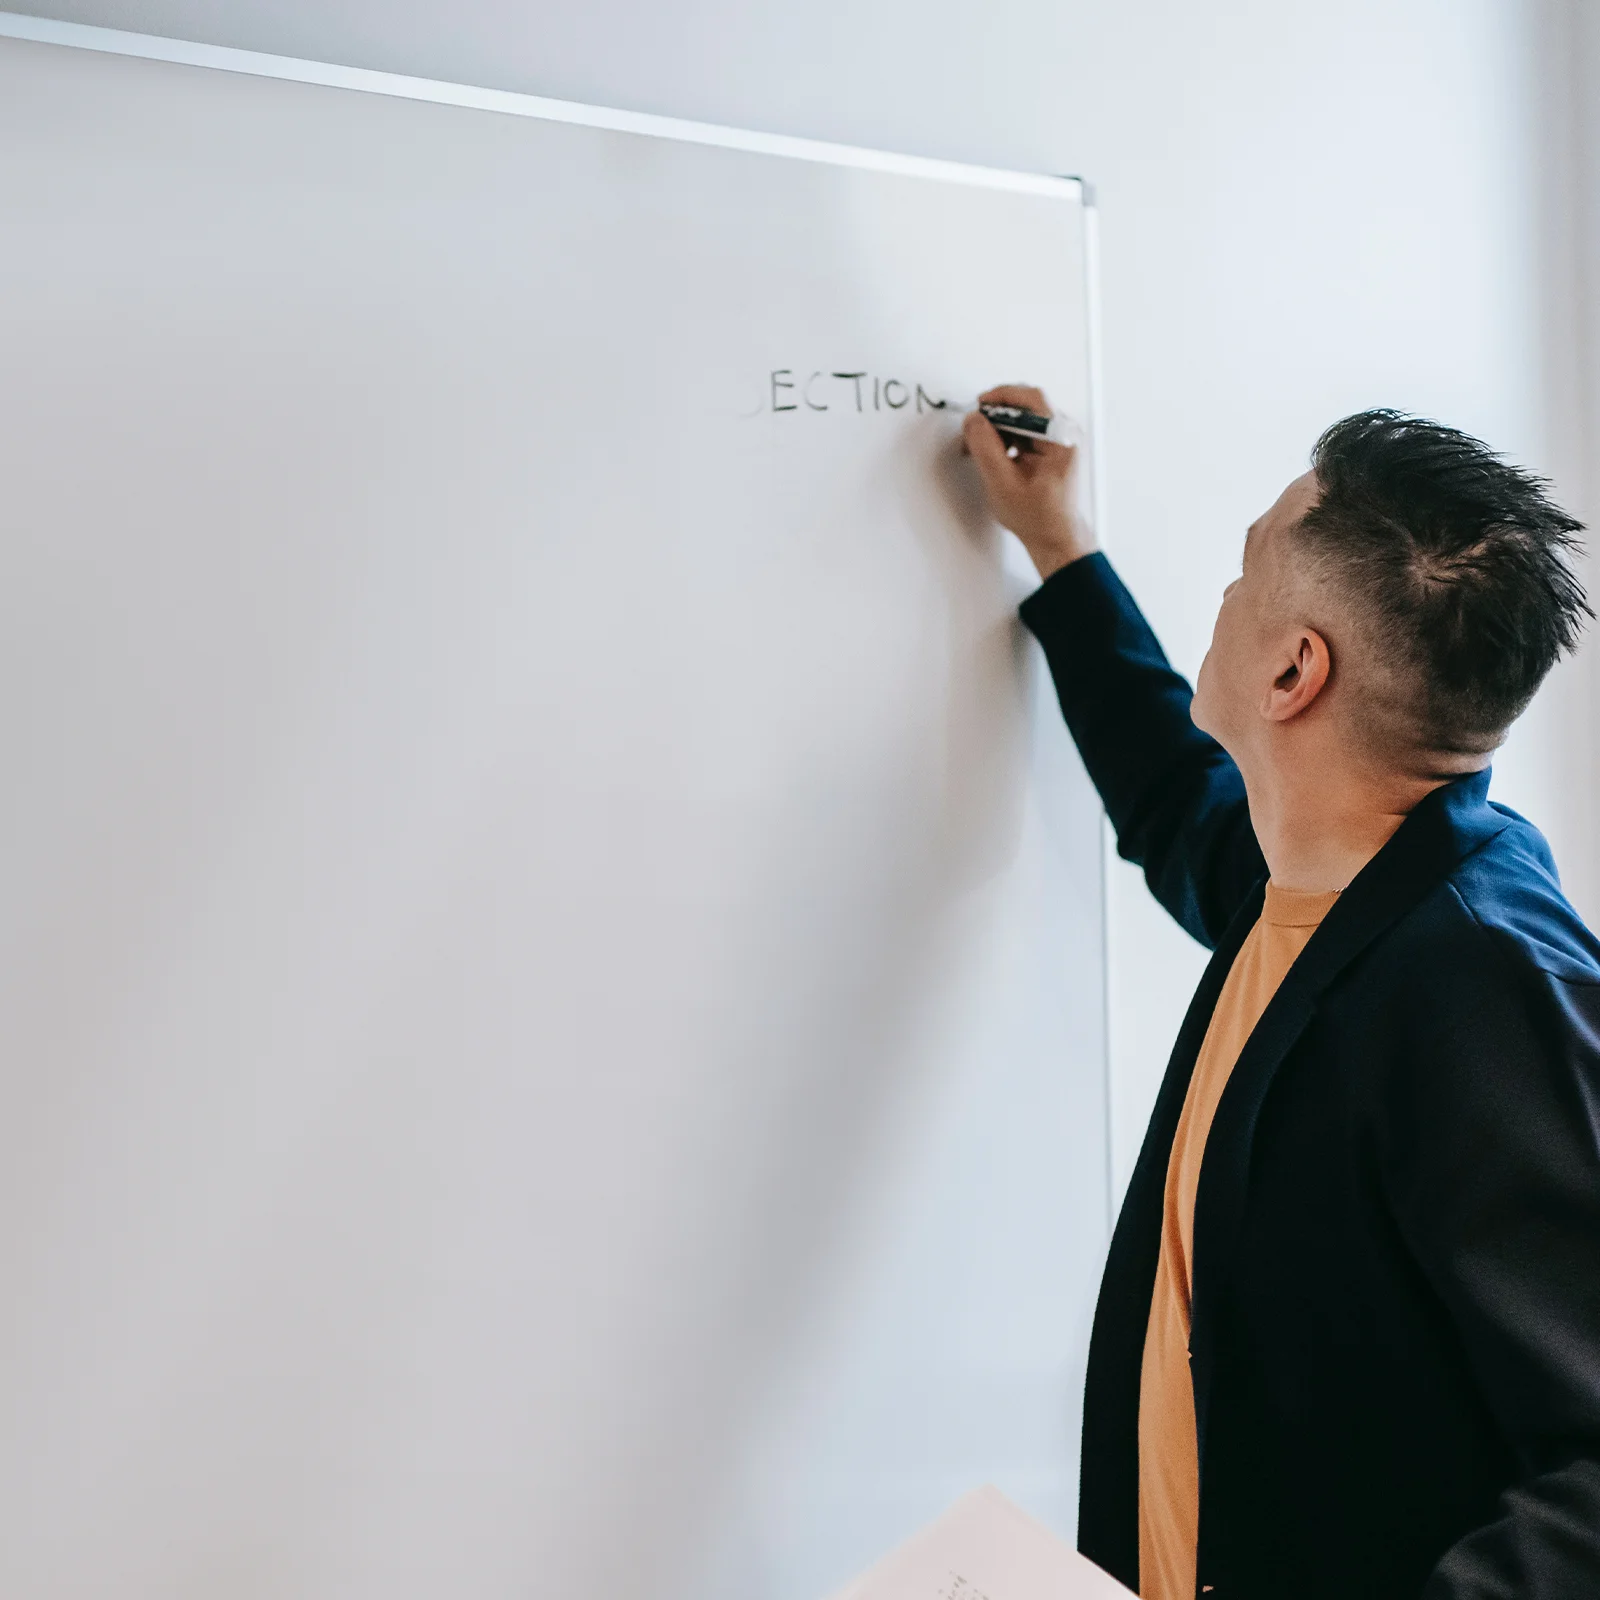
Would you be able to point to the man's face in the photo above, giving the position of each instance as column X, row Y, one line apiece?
column 1252, row 643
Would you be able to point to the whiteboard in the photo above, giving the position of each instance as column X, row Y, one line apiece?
column 553, row 973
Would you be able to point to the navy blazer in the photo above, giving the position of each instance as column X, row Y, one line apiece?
column 1396, row 1321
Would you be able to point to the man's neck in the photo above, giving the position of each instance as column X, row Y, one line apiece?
column 1318, row 827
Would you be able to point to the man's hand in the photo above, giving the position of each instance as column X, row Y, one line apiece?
column 1035, row 493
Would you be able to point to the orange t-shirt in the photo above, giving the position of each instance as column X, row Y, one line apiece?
column 1169, row 1469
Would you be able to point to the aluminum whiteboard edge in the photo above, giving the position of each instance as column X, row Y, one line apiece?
column 254, row 63
column 1109, row 935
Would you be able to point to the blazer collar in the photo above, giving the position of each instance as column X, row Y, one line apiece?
column 1447, row 826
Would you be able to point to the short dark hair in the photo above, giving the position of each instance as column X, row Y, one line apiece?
column 1457, row 564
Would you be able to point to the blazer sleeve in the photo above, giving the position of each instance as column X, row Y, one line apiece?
column 1174, row 796
column 1496, row 1189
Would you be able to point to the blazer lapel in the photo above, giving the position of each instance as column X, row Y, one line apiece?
column 1108, row 1502
column 1448, row 825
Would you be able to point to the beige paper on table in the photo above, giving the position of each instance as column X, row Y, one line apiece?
column 985, row 1548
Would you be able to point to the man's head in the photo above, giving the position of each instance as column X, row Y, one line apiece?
column 1400, row 602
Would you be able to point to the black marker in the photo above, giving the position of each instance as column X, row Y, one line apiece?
column 1017, row 422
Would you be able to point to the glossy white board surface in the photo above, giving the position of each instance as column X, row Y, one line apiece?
column 552, row 984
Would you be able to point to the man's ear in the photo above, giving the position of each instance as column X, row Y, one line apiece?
column 1300, row 679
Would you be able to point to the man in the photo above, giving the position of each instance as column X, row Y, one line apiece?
column 1348, row 1337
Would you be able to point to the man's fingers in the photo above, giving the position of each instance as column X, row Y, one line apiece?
column 1017, row 394
column 1030, row 484
column 984, row 443
column 1052, row 453
column 991, row 449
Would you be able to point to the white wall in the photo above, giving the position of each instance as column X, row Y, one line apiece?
column 1307, row 208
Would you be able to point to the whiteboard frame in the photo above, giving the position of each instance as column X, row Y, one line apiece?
column 1073, row 190
column 257, row 64
column 1108, row 838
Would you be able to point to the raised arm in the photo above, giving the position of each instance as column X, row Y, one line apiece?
column 1175, row 798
